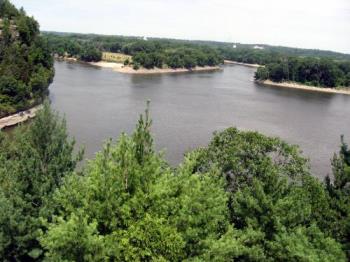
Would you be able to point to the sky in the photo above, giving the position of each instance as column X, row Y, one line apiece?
column 316, row 24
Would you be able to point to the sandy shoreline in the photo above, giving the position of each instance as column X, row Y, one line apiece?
column 19, row 117
column 104, row 64
column 118, row 67
column 229, row 62
column 305, row 87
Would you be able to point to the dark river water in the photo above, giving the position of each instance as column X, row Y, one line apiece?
column 187, row 108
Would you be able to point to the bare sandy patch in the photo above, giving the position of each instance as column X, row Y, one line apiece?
column 112, row 65
column 345, row 91
column 121, row 68
column 242, row 64
column 19, row 117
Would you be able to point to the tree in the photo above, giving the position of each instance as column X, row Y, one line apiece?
column 284, row 214
column 91, row 54
column 136, row 66
column 262, row 73
column 277, row 72
column 32, row 165
column 339, row 190
column 129, row 205
column 273, row 199
column 242, row 156
column 39, row 81
column 189, row 62
column 25, row 61
column 175, row 61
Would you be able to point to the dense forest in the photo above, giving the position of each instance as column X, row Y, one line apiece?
column 239, row 51
column 26, row 64
column 261, row 54
column 244, row 197
column 157, row 49
column 322, row 68
column 310, row 71
column 146, row 53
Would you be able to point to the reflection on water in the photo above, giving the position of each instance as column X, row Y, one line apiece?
column 187, row 108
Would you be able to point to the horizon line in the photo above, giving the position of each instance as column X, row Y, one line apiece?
column 201, row 40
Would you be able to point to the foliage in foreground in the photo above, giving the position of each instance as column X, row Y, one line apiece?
column 339, row 191
column 273, row 196
column 33, row 162
column 245, row 197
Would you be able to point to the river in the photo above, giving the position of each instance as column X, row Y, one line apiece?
column 187, row 108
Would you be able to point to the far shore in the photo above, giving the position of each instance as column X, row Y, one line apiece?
column 118, row 67
column 121, row 68
column 20, row 117
column 242, row 64
column 345, row 91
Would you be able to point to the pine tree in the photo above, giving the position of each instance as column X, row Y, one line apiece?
column 33, row 162
column 339, row 191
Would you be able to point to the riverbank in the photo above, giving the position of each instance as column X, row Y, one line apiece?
column 104, row 64
column 305, row 87
column 229, row 62
column 19, row 117
column 118, row 67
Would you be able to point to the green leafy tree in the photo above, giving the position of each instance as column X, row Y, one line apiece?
column 90, row 54
column 136, row 66
column 284, row 215
column 273, row 199
column 339, row 190
column 32, row 164
column 241, row 156
column 129, row 205
column 262, row 73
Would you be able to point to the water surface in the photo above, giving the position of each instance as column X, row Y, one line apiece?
column 187, row 108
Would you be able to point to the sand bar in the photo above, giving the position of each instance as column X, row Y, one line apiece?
column 19, row 117
column 118, row 67
column 229, row 62
column 104, row 64
column 345, row 91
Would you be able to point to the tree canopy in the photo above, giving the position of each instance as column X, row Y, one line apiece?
column 310, row 71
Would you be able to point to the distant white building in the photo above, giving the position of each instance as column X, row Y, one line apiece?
column 258, row 47
column 234, row 46
column 145, row 38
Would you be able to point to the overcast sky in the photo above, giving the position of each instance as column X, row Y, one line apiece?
column 321, row 24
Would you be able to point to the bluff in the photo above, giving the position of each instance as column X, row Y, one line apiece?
column 26, row 64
